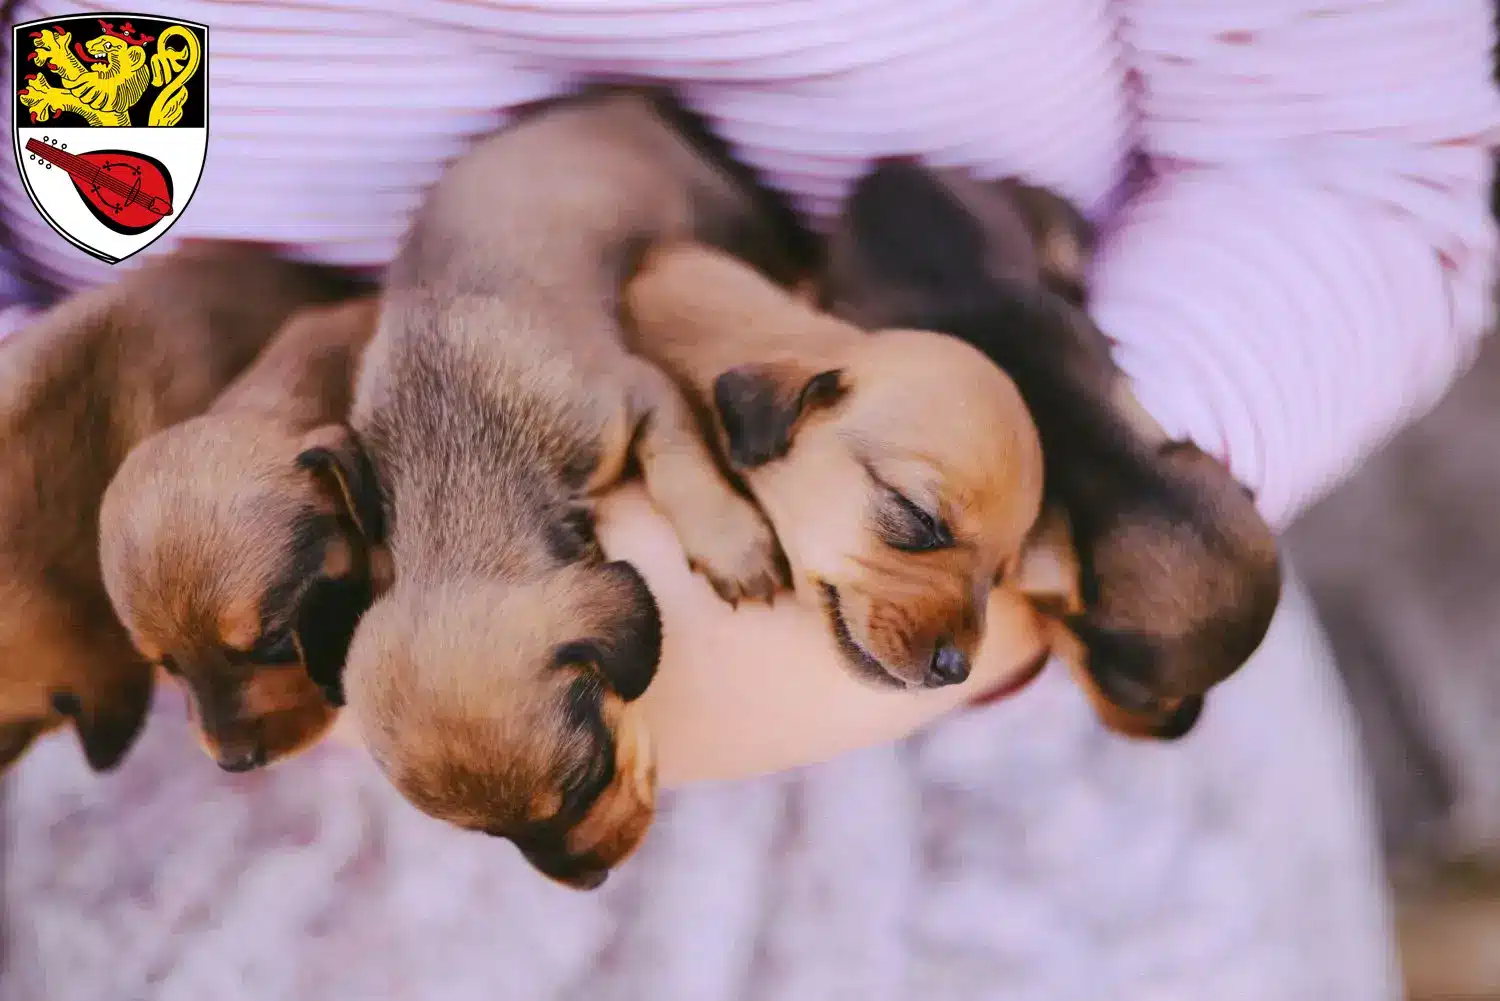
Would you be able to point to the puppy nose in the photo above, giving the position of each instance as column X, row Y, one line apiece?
column 589, row 879
column 243, row 760
column 949, row 666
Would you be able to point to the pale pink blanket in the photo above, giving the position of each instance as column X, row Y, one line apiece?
column 1015, row 853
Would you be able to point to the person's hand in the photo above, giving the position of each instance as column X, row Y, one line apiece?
column 753, row 690
column 759, row 689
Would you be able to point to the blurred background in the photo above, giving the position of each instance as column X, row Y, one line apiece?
column 1404, row 566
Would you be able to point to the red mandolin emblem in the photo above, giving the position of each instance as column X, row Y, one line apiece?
column 110, row 123
column 127, row 192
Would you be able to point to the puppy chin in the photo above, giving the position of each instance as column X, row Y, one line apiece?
column 947, row 665
column 1161, row 720
column 289, row 732
column 253, row 742
column 582, row 857
column 289, row 711
column 565, row 870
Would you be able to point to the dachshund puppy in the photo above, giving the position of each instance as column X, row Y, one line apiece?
column 1179, row 573
column 900, row 470
column 233, row 552
column 79, row 387
column 493, row 682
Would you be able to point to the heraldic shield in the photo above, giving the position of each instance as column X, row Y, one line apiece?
column 111, row 124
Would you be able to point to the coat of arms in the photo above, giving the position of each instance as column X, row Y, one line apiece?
column 111, row 125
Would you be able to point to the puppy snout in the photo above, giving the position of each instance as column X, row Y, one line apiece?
column 1179, row 719
column 949, row 666
column 580, row 872
column 243, row 759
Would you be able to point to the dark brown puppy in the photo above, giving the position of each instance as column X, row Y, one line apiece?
column 895, row 529
column 494, row 681
column 232, row 549
column 79, row 387
column 1179, row 573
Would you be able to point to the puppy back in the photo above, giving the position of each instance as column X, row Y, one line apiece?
column 699, row 312
column 564, row 201
column 105, row 368
column 305, row 376
column 916, row 245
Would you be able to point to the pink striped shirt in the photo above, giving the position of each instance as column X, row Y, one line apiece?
column 1307, row 267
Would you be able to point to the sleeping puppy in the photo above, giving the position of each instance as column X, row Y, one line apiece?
column 494, row 681
column 1179, row 573
column 79, row 387
column 900, row 469
column 233, row 552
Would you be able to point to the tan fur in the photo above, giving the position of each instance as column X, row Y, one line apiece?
column 1047, row 573
column 1179, row 572
column 917, row 413
column 79, row 387
column 200, row 528
column 492, row 682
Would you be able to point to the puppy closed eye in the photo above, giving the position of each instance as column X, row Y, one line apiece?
column 277, row 647
column 906, row 526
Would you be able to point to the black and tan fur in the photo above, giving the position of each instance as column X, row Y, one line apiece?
column 79, row 387
column 233, row 552
column 494, row 682
column 1179, row 574
column 900, row 469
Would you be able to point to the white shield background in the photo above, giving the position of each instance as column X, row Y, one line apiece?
column 180, row 149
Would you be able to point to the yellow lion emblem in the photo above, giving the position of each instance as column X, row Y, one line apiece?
column 103, row 92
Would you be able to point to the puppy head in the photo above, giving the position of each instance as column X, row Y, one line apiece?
column 240, row 555
column 1049, row 577
column 912, row 238
column 1180, row 585
column 901, row 484
column 507, row 709
column 64, row 659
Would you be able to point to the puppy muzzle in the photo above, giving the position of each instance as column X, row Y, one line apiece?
column 578, row 872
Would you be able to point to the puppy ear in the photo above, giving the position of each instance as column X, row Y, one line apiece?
column 334, row 455
column 15, row 738
column 628, row 655
column 325, row 627
column 109, row 721
column 1046, row 570
column 1184, row 452
column 759, row 407
column 1063, row 238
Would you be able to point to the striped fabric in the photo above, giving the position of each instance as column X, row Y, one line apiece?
column 1308, row 267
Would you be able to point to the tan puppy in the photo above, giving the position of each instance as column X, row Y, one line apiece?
column 1179, row 573
column 231, row 553
column 78, row 388
column 900, row 470
column 493, row 681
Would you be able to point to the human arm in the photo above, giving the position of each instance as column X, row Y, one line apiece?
column 755, row 690
column 17, row 299
column 1310, row 265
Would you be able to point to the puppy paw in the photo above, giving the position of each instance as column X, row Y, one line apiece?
column 736, row 550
